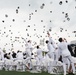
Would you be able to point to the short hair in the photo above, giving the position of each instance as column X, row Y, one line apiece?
column 60, row 39
column 47, row 41
column 37, row 46
column 28, row 40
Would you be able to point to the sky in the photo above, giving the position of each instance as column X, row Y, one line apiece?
column 31, row 19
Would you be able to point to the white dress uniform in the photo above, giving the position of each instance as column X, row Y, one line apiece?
column 55, row 47
column 51, row 50
column 1, row 55
column 19, row 56
column 29, row 49
column 39, row 55
column 1, row 59
column 29, row 52
column 66, row 54
column 19, row 61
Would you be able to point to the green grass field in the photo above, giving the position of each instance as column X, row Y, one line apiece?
column 2, row 72
column 21, row 73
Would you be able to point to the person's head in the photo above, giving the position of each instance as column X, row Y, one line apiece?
column 47, row 41
column 9, row 53
column 60, row 39
column 18, row 51
column 29, row 41
column 37, row 47
column 13, row 52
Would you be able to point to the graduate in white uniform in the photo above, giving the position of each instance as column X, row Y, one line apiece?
column 19, row 55
column 65, row 53
column 19, row 60
column 39, row 53
column 50, row 49
column 51, row 41
column 40, row 56
column 50, row 38
column 1, row 59
column 51, row 56
column 1, row 55
column 29, row 49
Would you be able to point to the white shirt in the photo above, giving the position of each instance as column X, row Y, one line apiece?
column 64, row 49
column 1, row 55
column 50, row 48
column 29, row 46
column 19, row 56
column 39, row 52
column 52, row 41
